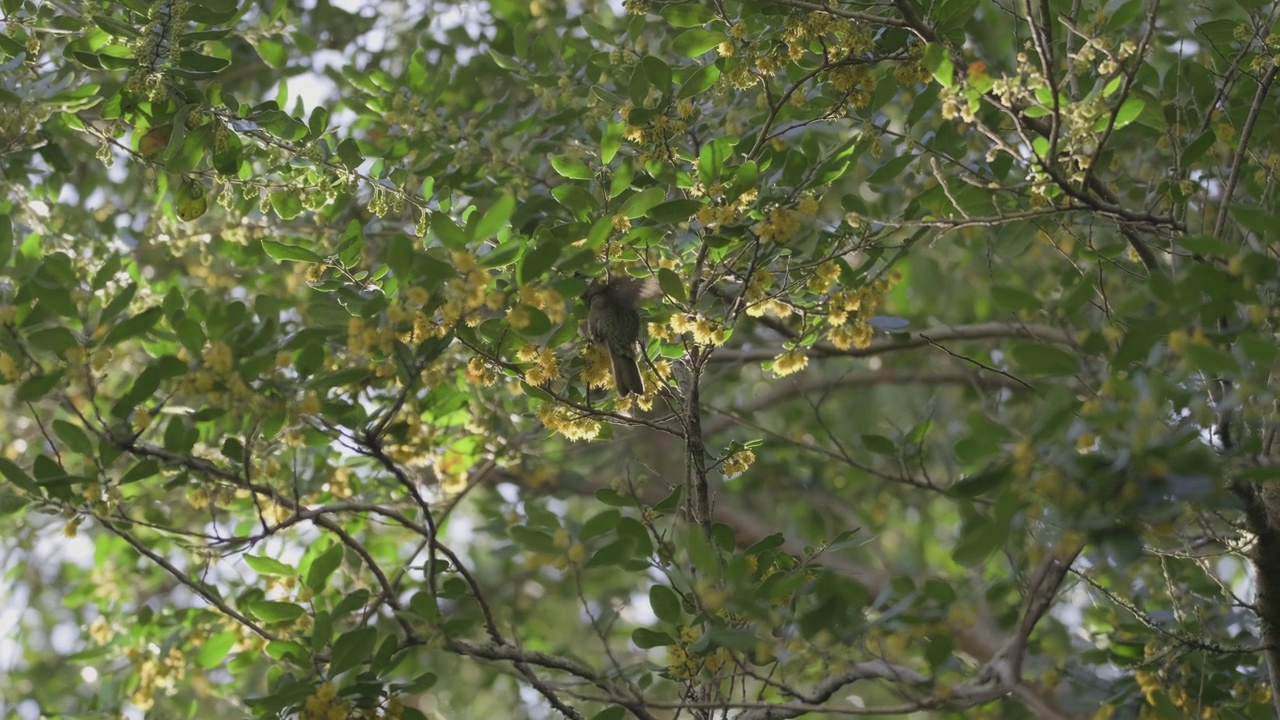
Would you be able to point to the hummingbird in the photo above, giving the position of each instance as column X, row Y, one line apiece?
column 613, row 324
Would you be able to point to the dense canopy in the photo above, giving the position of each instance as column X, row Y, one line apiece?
column 956, row 338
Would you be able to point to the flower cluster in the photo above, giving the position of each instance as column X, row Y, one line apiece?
column 567, row 422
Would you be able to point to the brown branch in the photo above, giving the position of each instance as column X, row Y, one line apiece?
column 199, row 588
column 977, row 331
column 839, row 12
column 1259, row 99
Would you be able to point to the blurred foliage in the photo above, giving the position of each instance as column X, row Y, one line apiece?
column 959, row 388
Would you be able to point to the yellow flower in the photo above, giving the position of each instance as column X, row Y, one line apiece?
column 706, row 333
column 463, row 261
column 518, row 317
column 416, row 296
column 780, row 225
column 790, row 362
column 737, row 463
column 310, row 404
column 100, row 631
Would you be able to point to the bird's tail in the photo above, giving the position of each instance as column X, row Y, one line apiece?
column 626, row 375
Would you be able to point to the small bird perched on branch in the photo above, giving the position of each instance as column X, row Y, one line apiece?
column 613, row 324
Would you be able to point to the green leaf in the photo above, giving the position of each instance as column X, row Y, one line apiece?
column 657, row 72
column 612, row 554
column 349, row 153
column 685, row 15
column 271, row 611
column 75, row 438
column 285, row 251
column 1129, row 111
column 537, row 261
column 54, row 340
column 671, row 285
column 352, row 649
column 700, row 81
column 692, row 43
column 495, row 218
column 1255, row 219
column 1122, row 544
column 287, row 204
column 36, row 387
column 674, row 211
column 580, row 202
column 1039, row 359
column 323, row 567
column 978, row 539
column 572, row 168
column 981, row 483
column 18, row 476
column 6, row 239
column 269, row 566
column 214, row 649
column 506, row 62
column 1207, row 245
column 1011, row 298
column 640, row 203
column 953, row 14
column 448, row 231
column 534, row 540
column 891, row 169
column 610, row 140
column 645, row 638
column 349, row 604
column 133, row 327
column 1211, row 360
column 142, row 470
column 880, row 445
column 666, row 604
column 713, row 156
column 1197, row 148
column 599, row 524
column 937, row 59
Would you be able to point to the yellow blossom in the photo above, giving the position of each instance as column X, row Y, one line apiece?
column 598, row 373
column 463, row 261
column 855, row 335
column 218, row 357
column 416, row 296
column 518, row 317
column 707, row 333
column 780, row 225
column 100, row 631
column 546, row 369
column 480, row 373
column 737, row 463
column 792, row 361
column 9, row 367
